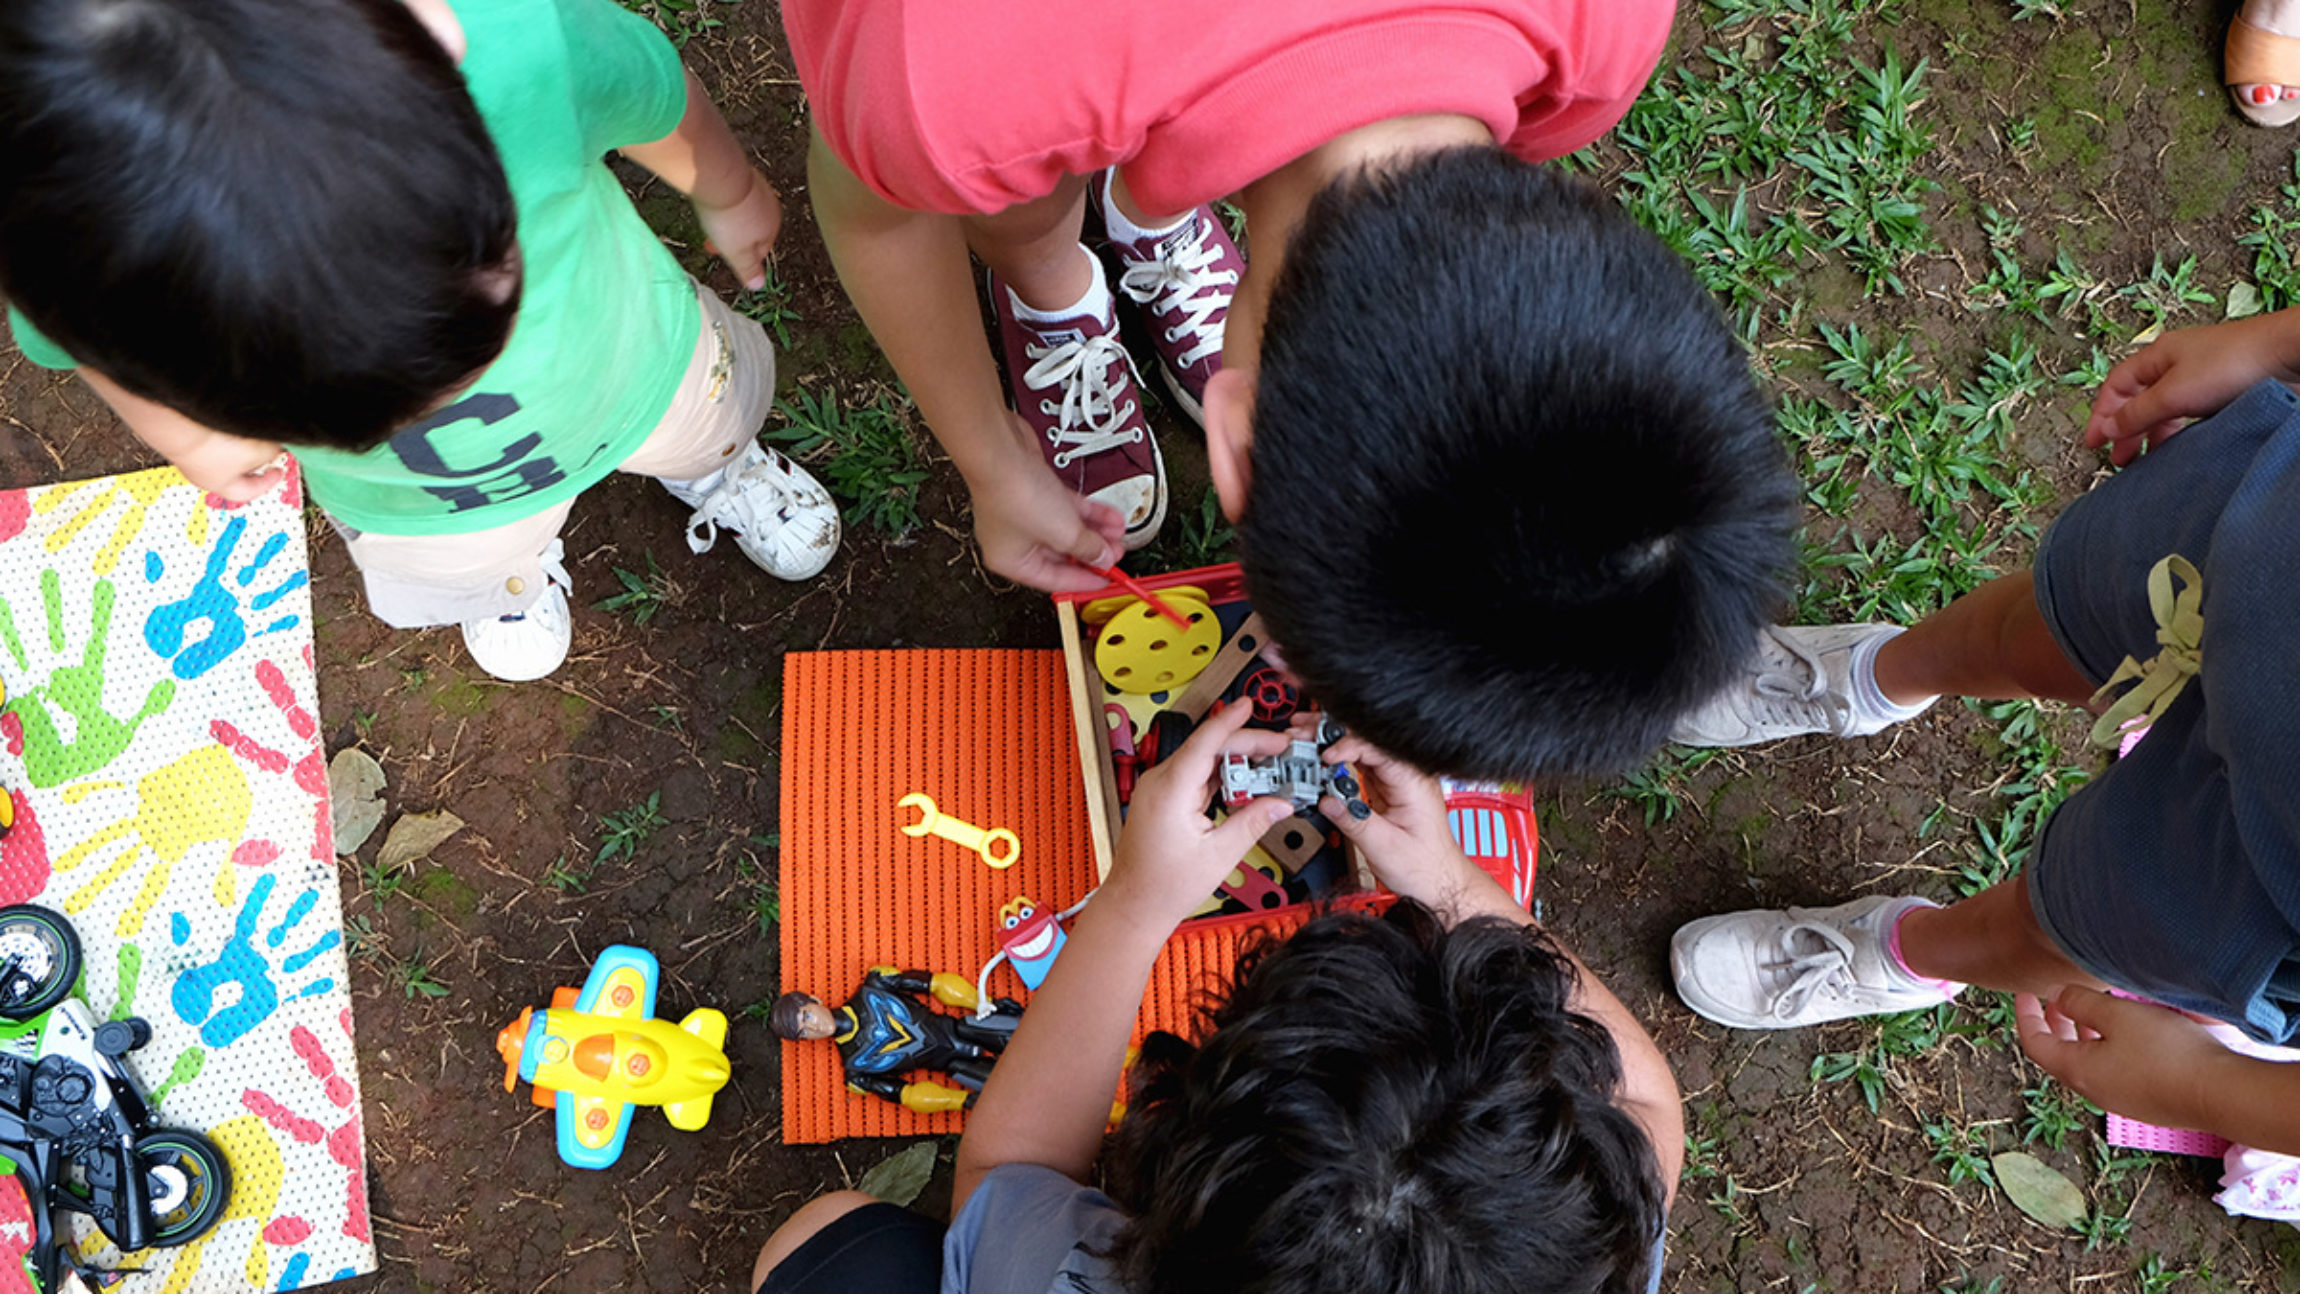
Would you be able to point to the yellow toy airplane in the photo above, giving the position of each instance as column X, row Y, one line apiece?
column 597, row 1053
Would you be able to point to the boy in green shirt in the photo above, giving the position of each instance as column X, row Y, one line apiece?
column 379, row 237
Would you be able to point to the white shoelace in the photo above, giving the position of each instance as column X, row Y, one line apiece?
column 1092, row 376
column 1185, row 281
column 1826, row 969
column 748, row 501
column 1783, row 696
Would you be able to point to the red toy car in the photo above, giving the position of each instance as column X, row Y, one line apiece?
column 1493, row 823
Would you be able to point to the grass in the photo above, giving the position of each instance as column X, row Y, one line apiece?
column 413, row 978
column 623, row 831
column 1870, row 1068
column 1962, row 1152
column 644, row 596
column 867, row 454
column 763, row 896
column 681, row 20
column 771, row 306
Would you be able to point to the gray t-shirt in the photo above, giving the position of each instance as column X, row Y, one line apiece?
column 1043, row 1231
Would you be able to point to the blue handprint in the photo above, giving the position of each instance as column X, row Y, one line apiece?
column 211, row 603
column 240, row 963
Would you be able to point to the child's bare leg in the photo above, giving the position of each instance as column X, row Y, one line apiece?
column 1991, row 643
column 1991, row 939
column 1033, row 248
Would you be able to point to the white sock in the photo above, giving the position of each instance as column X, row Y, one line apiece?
column 1867, row 695
column 705, row 484
column 1096, row 302
column 1126, row 231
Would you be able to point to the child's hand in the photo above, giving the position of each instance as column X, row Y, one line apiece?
column 2136, row 1059
column 1171, row 856
column 743, row 233
column 2192, row 373
column 1035, row 530
column 1407, row 840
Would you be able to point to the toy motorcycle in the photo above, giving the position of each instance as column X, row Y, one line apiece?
column 76, row 1129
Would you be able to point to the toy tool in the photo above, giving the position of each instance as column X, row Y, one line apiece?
column 1142, row 591
column 934, row 822
column 598, row 1052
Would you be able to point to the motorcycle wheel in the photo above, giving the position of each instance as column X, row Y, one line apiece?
column 189, row 1183
column 48, row 953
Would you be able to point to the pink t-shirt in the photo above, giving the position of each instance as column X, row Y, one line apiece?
column 975, row 105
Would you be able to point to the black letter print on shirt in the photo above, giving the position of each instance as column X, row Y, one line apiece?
column 518, row 472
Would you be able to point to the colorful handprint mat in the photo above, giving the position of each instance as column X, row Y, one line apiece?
column 986, row 735
column 161, row 748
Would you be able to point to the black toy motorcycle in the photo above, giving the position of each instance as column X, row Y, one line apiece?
column 75, row 1127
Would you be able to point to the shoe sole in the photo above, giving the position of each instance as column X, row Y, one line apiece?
column 1181, row 394
column 1148, row 530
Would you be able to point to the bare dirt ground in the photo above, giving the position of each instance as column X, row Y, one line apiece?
column 1795, row 1184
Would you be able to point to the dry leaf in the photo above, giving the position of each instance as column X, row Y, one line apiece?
column 355, row 798
column 900, row 1177
column 414, row 836
column 2036, row 1189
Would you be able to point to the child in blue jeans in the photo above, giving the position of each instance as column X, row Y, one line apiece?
column 1437, row 1099
column 2175, row 875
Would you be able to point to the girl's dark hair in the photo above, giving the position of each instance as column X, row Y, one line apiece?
column 281, row 218
column 1385, row 1105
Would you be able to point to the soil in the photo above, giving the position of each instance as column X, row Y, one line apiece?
column 2137, row 154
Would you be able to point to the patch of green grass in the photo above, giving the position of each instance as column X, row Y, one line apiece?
column 643, row 596
column 758, row 877
column 2275, row 236
column 623, row 831
column 2040, row 776
column 867, row 455
column 1911, row 1033
column 1200, row 536
column 382, row 882
column 2054, row 1112
column 681, row 20
column 567, row 877
column 1659, row 790
column 414, row 979
column 771, row 306
column 1962, row 1152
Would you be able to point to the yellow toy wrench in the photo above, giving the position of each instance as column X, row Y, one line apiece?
column 933, row 822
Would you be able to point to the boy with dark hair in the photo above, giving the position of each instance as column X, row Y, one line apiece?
column 1511, row 499
column 2175, row 874
column 1439, row 1099
column 381, row 234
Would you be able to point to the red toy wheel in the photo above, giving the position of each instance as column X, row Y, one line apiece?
column 1273, row 698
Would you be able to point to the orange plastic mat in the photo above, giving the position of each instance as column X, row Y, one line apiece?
column 987, row 735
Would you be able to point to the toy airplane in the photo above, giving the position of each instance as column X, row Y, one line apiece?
column 596, row 1053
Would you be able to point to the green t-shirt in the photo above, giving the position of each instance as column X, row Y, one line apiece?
column 608, row 320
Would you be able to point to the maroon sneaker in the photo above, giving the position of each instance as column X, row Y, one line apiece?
column 1073, row 382
column 1184, row 281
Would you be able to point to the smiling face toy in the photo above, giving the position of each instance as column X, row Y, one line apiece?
column 1031, row 938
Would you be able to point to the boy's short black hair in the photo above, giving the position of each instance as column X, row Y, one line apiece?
column 1517, row 502
column 1383, row 1104
column 283, row 219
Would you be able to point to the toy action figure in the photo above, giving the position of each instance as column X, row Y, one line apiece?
column 887, row 1030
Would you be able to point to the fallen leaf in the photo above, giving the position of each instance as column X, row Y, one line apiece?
column 900, row 1177
column 2244, row 301
column 414, row 836
column 355, row 798
column 2038, row 1190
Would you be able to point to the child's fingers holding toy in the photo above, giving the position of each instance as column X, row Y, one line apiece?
column 1406, row 840
column 1171, row 856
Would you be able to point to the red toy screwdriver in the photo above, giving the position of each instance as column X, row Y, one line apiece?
column 1136, row 587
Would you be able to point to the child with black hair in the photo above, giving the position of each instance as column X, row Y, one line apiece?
column 378, row 236
column 2175, row 874
column 1510, row 498
column 1438, row 1100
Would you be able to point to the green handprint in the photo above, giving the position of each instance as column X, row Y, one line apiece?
column 75, row 692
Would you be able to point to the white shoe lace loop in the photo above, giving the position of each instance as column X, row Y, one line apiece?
column 1181, row 277
column 1825, row 970
column 1786, row 695
column 1091, row 374
column 749, row 500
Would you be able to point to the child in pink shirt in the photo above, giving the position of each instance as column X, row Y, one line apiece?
column 1510, row 498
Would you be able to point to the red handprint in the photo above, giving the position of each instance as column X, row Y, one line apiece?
column 310, row 768
column 343, row 1144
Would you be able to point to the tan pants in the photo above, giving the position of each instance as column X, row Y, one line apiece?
column 415, row 581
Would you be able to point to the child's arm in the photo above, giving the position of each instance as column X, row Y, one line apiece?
column 2148, row 1063
column 908, row 275
column 1412, row 851
column 1048, row 1098
column 230, row 467
column 2192, row 373
column 739, row 209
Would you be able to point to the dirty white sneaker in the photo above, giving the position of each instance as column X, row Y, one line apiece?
column 1779, row 970
column 779, row 515
column 1804, row 678
column 527, row 646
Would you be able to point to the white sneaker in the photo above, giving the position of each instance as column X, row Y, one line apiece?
column 779, row 515
column 1779, row 970
column 527, row 646
column 1805, row 678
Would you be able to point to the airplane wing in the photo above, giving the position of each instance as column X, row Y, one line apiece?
column 621, row 984
column 592, row 1129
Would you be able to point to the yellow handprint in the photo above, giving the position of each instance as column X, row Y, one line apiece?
column 200, row 798
column 141, row 490
column 256, row 1176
